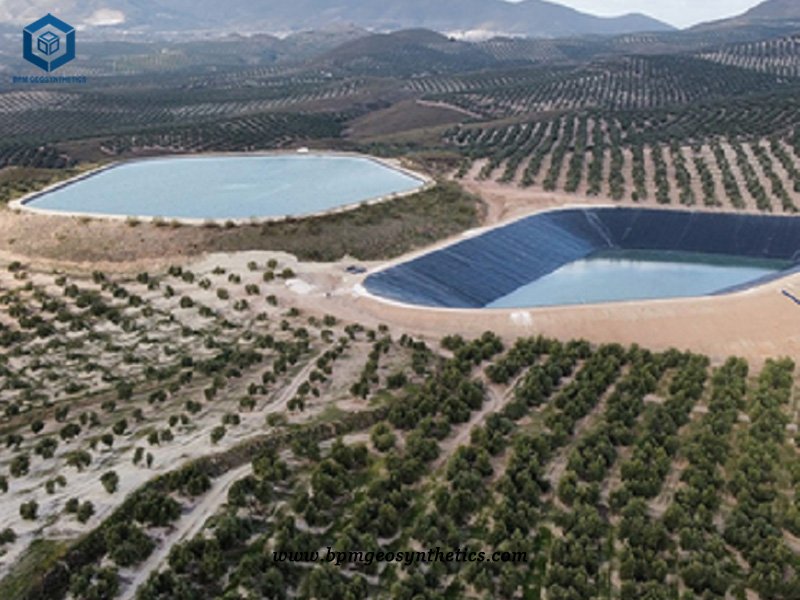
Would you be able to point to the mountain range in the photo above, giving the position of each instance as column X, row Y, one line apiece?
column 533, row 18
column 469, row 19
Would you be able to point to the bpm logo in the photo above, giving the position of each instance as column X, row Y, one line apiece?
column 49, row 43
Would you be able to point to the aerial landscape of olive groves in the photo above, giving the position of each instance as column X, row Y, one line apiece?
column 312, row 405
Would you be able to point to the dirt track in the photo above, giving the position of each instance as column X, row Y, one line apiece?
column 187, row 527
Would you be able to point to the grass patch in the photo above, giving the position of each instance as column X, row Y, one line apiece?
column 39, row 557
column 16, row 182
column 370, row 232
column 329, row 414
column 380, row 398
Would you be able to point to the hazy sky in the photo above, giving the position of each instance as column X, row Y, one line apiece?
column 680, row 13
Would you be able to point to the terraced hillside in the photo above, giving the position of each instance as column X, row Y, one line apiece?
column 221, row 118
column 298, row 91
column 597, row 155
column 626, row 83
column 777, row 56
column 579, row 471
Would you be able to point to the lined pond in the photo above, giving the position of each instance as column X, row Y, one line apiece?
column 594, row 255
column 228, row 187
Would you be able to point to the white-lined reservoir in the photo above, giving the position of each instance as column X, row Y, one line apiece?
column 228, row 187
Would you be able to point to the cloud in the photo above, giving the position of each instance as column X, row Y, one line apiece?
column 106, row 17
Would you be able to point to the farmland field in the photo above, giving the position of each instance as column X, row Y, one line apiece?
column 608, row 453
column 224, row 410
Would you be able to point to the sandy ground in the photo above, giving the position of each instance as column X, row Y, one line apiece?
column 190, row 441
column 505, row 202
column 86, row 484
column 754, row 324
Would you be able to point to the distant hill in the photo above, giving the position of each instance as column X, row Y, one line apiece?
column 774, row 9
column 536, row 18
column 771, row 12
column 408, row 52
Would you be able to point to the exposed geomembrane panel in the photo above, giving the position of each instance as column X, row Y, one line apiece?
column 476, row 271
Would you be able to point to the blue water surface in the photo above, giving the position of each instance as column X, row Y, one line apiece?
column 229, row 187
column 597, row 280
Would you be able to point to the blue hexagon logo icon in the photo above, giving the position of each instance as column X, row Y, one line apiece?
column 55, row 43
